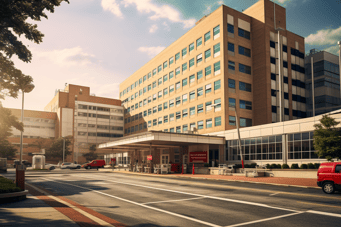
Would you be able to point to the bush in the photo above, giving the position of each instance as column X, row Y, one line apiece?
column 317, row 165
column 7, row 186
column 279, row 166
column 238, row 166
column 304, row 166
column 273, row 166
column 285, row 166
column 267, row 166
column 253, row 165
column 247, row 166
column 311, row 166
column 294, row 166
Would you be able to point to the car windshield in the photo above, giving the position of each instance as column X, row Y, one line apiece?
column 67, row 163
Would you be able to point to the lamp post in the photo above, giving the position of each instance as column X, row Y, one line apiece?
column 63, row 149
column 339, row 43
column 279, row 74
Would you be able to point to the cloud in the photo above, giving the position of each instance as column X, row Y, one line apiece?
column 209, row 7
column 151, row 51
column 283, row 2
column 166, row 26
column 324, row 37
column 112, row 6
column 153, row 28
column 68, row 57
column 220, row 2
column 333, row 49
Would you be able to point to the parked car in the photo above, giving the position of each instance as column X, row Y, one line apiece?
column 329, row 177
column 25, row 162
column 70, row 165
column 94, row 164
column 50, row 166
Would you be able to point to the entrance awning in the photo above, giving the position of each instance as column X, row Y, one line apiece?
column 159, row 139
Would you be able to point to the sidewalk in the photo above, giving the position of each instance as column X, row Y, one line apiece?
column 281, row 181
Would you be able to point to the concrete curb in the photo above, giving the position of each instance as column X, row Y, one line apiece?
column 12, row 197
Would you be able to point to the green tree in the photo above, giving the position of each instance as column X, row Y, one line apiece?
column 92, row 154
column 327, row 141
column 56, row 148
column 7, row 150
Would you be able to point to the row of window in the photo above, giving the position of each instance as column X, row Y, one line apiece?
column 241, row 50
column 241, row 32
column 184, row 97
column 296, row 98
column 242, row 85
column 207, row 36
column 243, row 122
column 86, row 107
column 81, row 114
column 84, row 125
column 99, row 134
column 247, row 105
column 295, row 113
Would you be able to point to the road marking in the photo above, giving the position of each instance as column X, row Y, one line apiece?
column 324, row 213
column 140, row 204
column 263, row 220
column 99, row 221
column 178, row 200
column 274, row 194
column 318, row 204
column 206, row 196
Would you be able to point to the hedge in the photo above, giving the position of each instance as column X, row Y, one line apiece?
column 7, row 186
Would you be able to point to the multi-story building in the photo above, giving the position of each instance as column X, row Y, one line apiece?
column 326, row 82
column 227, row 63
column 87, row 118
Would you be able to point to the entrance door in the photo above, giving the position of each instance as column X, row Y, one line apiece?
column 165, row 159
column 214, row 157
column 184, row 159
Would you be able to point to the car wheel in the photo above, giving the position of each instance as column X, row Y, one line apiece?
column 78, row 167
column 328, row 188
column 88, row 167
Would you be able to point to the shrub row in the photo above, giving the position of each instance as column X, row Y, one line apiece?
column 7, row 186
column 293, row 166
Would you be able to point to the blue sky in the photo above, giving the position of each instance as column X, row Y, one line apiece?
column 99, row 43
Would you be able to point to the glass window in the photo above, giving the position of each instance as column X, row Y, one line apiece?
column 200, row 124
column 232, row 83
column 216, row 48
column 192, row 126
column 171, row 117
column 165, row 64
column 154, row 97
column 184, row 98
column 149, row 99
column 217, row 66
column 192, row 79
column 216, row 30
column 209, row 123
column 244, row 86
column 177, row 85
column 208, row 71
column 232, row 102
column 191, row 95
column 177, row 71
column 154, row 109
column 171, row 75
column 200, row 91
column 159, row 94
column 165, row 119
column 191, row 62
column 200, row 108
column 244, row 122
column 178, row 115
column 184, row 82
column 149, row 75
column 231, row 65
column 199, row 42
column 243, row 33
column 217, row 105
column 230, row 28
column 154, row 122
column 154, row 84
column 144, row 78
column 208, row 106
column 165, row 105
column 171, row 60
column 244, row 69
column 171, row 103
column 140, row 81
column 245, row 104
column 208, row 88
column 177, row 56
column 232, row 120
column 154, row 72
column 149, row 111
column 171, row 88
column 149, row 124
column 178, row 129
column 184, row 67
column 185, row 128
column 207, row 36
column 184, row 52
column 217, row 85
column 171, row 130
column 178, row 100
column 144, row 89
column 191, row 47
column 165, row 91
column 192, row 111
column 184, row 113
column 207, row 53
column 230, row 47
column 159, row 68
column 160, row 120
column 244, row 51
column 149, row 87
column 159, row 107
column 199, row 74
column 160, row 81
column 165, row 78
column 145, row 113
column 199, row 58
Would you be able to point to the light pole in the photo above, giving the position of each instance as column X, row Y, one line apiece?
column 279, row 74
column 63, row 148
column 339, row 43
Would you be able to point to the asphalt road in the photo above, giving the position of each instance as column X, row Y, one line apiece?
column 158, row 201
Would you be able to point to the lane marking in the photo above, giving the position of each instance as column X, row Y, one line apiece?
column 206, row 196
column 324, row 213
column 263, row 220
column 99, row 221
column 318, row 204
column 140, row 204
column 274, row 194
column 178, row 200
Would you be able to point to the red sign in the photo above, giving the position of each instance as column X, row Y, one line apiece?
column 198, row 156
column 149, row 157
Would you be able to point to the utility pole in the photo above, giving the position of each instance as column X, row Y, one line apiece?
column 63, row 149
column 239, row 141
column 313, row 84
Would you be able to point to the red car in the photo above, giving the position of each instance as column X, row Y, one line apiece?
column 329, row 177
column 94, row 164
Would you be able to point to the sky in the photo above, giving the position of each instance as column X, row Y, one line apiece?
column 100, row 43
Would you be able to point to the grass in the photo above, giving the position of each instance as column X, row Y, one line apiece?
column 7, row 186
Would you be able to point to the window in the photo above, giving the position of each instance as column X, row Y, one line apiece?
column 178, row 115
column 160, row 81
column 165, row 78
column 154, row 84
column 165, row 119
column 154, row 122
column 199, row 74
column 199, row 58
column 160, row 120
column 171, row 103
column 145, row 113
column 217, row 66
column 200, row 108
column 136, row 105
column 232, row 120
column 216, row 30
column 209, row 123
column 177, row 85
column 177, row 56
column 192, row 79
column 178, row 100
column 243, row 33
column 192, row 126
column 207, row 53
column 192, row 111
column 140, row 81
column 184, row 52
column 217, row 105
column 208, row 71
column 244, row 122
column 191, row 62
column 191, row 47
column 137, row 83
column 165, row 64
column 154, row 72
column 177, row 71
column 217, row 85
column 217, row 121
column 149, row 99
column 244, row 69
column 199, row 42
column 165, row 91
column 191, row 95
column 159, row 68
column 184, row 82
column 171, row 88
column 245, row 105
column 216, row 48
column 171, row 117
column 200, row 91
column 244, row 51
column 208, row 88
column 159, row 107
column 144, row 78
column 140, row 104
column 171, row 60
column 208, row 106
column 232, row 102
column 154, row 97
column 149, row 87
column 230, row 47
column 232, row 83
column 185, row 128
column 144, row 102
column 144, row 89
column 231, row 65
column 149, row 75
column 244, row 86
column 149, row 111
column 184, row 113
column 184, row 98
column 171, row 130
column 171, row 75
column 154, row 109
column 230, row 28
column 200, row 124
column 178, row 129
column 165, row 105
column 184, row 67
column 140, row 92
column 207, row 36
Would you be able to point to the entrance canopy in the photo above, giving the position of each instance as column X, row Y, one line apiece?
column 157, row 139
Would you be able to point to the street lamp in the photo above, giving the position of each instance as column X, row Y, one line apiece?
column 279, row 74
column 339, row 43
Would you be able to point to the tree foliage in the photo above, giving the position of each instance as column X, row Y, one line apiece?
column 7, row 150
column 92, row 155
column 56, row 148
column 327, row 140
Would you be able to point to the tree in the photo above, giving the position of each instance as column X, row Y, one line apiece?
column 56, row 148
column 327, row 140
column 42, row 143
column 91, row 155
column 7, row 150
